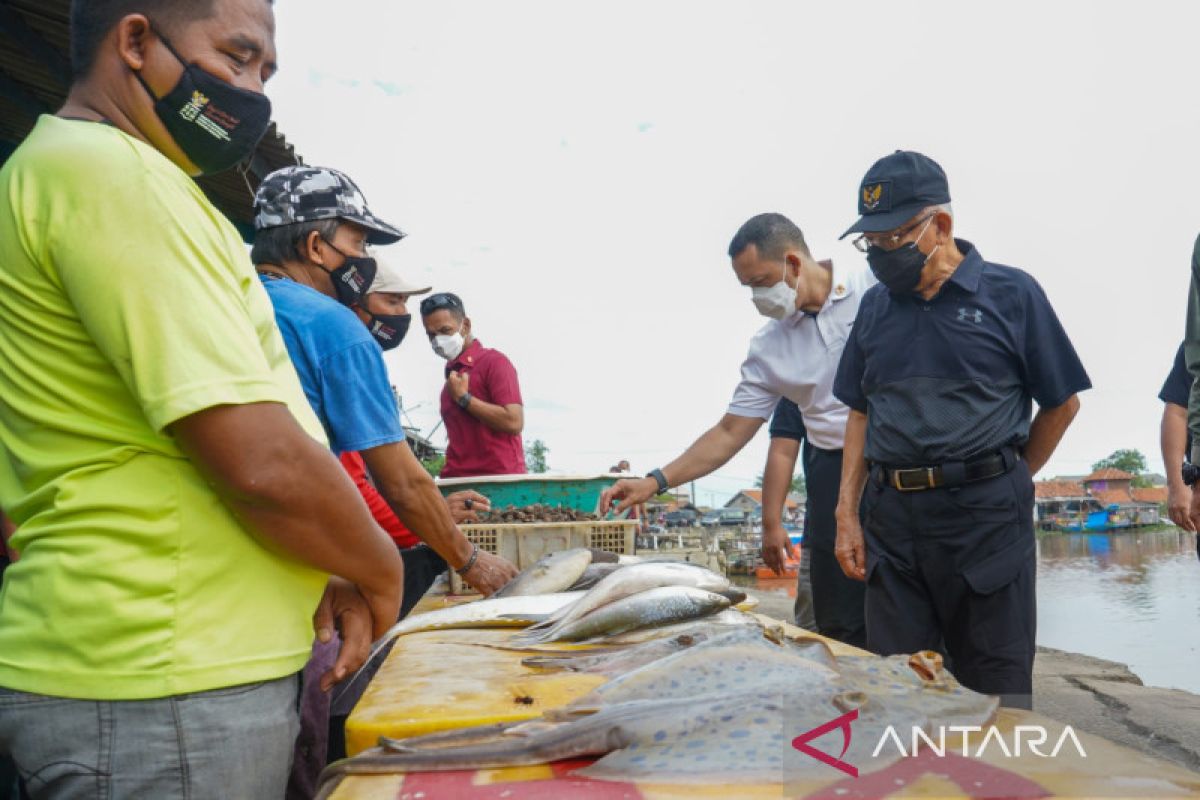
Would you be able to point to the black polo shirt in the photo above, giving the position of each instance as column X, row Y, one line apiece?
column 953, row 377
column 1178, row 385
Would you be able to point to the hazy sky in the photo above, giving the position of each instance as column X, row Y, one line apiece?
column 575, row 172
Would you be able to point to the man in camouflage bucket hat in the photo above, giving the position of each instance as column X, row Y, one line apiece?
column 311, row 255
column 308, row 194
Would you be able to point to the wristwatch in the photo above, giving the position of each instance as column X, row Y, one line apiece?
column 1191, row 473
column 658, row 476
column 465, row 400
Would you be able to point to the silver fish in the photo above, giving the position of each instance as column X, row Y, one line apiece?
column 504, row 612
column 554, row 572
column 662, row 605
column 594, row 574
column 624, row 583
column 612, row 662
column 713, row 624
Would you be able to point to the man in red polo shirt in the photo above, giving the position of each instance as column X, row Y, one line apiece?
column 481, row 402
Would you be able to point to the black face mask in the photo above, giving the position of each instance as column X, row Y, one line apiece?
column 215, row 123
column 389, row 329
column 900, row 269
column 352, row 279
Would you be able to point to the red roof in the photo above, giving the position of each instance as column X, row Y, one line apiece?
column 1110, row 497
column 1109, row 474
column 1151, row 494
column 1058, row 488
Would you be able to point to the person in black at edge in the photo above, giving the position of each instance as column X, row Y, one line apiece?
column 1176, row 441
column 942, row 365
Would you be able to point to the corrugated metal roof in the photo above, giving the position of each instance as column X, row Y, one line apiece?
column 35, row 76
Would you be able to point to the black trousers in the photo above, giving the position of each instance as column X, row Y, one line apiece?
column 422, row 566
column 838, row 601
column 953, row 570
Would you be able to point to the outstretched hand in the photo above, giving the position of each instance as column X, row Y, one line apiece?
column 626, row 493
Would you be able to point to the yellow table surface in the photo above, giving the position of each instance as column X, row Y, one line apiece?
column 439, row 681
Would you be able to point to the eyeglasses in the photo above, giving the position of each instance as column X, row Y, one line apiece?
column 888, row 241
column 436, row 302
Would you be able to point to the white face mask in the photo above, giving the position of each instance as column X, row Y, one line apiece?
column 448, row 346
column 776, row 301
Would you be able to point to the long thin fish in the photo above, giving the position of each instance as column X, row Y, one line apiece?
column 503, row 612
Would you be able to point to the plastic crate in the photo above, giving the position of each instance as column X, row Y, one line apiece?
column 524, row 543
column 581, row 492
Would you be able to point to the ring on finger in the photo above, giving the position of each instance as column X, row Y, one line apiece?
column 468, row 504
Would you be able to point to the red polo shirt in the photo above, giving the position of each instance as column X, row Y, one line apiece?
column 380, row 510
column 474, row 448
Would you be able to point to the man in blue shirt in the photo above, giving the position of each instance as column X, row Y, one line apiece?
column 944, row 361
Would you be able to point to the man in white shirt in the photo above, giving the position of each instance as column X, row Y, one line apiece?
column 812, row 305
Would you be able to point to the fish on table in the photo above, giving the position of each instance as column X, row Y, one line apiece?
column 617, row 661
column 554, row 572
column 500, row 612
column 670, row 721
column 662, row 605
column 623, row 583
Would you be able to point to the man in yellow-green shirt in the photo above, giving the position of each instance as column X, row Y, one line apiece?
column 177, row 511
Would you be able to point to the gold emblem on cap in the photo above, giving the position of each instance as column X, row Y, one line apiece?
column 871, row 196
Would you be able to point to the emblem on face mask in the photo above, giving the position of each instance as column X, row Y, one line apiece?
column 970, row 315
column 193, row 107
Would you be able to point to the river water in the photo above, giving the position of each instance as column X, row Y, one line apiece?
column 1131, row 597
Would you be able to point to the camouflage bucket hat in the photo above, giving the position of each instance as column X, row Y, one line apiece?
column 307, row 194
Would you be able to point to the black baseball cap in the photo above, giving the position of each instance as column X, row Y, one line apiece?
column 895, row 189
column 436, row 302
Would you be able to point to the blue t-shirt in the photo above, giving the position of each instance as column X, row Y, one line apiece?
column 340, row 366
column 953, row 377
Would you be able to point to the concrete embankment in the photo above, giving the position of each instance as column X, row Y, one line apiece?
column 1097, row 696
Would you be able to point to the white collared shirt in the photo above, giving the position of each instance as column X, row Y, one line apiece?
column 797, row 358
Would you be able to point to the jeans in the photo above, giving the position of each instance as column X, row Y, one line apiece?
column 234, row 742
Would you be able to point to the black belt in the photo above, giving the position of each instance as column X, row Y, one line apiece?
column 952, row 473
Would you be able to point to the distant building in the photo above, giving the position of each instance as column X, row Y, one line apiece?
column 1103, row 500
column 750, row 501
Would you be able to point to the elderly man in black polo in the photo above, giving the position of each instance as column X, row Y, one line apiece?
column 946, row 356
